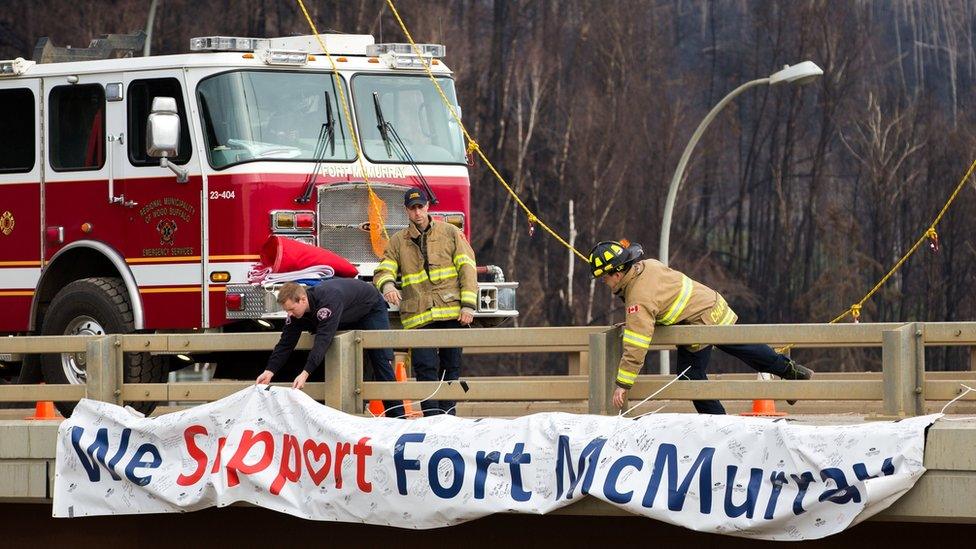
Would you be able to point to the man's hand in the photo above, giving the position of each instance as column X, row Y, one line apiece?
column 264, row 378
column 392, row 297
column 619, row 397
column 300, row 380
column 466, row 317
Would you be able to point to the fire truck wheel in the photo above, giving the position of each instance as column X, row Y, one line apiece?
column 95, row 306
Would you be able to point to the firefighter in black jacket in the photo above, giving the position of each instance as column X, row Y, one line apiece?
column 337, row 303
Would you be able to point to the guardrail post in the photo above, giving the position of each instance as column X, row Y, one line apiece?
column 903, row 367
column 357, row 373
column 578, row 364
column 340, row 372
column 605, row 351
column 103, row 368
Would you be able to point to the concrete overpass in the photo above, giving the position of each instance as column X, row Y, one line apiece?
column 944, row 496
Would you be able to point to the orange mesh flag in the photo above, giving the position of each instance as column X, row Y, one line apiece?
column 377, row 224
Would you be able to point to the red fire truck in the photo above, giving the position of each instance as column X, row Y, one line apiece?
column 135, row 192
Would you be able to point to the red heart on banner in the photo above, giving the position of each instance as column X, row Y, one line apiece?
column 317, row 450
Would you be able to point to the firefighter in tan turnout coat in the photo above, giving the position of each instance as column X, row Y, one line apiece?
column 439, row 288
column 655, row 294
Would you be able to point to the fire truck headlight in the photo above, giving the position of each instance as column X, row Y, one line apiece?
column 506, row 299
column 282, row 220
column 292, row 221
column 455, row 219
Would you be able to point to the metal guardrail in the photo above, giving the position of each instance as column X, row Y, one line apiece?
column 903, row 386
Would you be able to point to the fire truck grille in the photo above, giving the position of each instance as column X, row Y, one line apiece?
column 344, row 218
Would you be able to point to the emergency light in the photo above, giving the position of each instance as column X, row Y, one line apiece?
column 260, row 46
column 283, row 57
column 15, row 67
column 228, row 43
column 403, row 56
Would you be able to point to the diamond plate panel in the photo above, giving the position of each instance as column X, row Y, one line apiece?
column 255, row 301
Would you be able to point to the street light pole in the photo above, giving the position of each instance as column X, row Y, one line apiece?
column 800, row 73
column 680, row 171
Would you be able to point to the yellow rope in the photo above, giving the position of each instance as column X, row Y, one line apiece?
column 375, row 202
column 855, row 309
column 472, row 144
column 473, row 147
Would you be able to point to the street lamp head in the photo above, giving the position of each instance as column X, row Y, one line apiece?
column 801, row 73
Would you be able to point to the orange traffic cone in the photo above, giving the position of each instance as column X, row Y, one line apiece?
column 764, row 407
column 376, row 406
column 401, row 375
column 44, row 410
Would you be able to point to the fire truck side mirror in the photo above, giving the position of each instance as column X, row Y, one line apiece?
column 163, row 135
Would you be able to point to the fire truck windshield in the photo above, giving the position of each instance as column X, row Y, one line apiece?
column 411, row 104
column 273, row 115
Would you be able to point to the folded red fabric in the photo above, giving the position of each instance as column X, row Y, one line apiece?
column 286, row 254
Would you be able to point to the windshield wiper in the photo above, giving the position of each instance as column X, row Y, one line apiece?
column 386, row 132
column 325, row 140
column 381, row 125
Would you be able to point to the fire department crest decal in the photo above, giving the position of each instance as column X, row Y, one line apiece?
column 7, row 223
column 166, row 228
column 323, row 313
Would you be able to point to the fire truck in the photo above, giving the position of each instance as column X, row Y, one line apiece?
column 135, row 192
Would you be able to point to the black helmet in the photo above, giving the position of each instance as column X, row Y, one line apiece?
column 611, row 256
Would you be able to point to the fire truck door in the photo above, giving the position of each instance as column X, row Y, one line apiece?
column 83, row 120
column 163, row 226
column 20, row 201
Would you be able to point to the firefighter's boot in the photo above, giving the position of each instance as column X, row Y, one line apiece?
column 794, row 372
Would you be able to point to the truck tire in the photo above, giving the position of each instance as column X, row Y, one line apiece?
column 95, row 306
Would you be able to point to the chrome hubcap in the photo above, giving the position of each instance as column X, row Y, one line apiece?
column 73, row 364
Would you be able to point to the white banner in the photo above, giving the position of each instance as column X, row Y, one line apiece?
column 278, row 448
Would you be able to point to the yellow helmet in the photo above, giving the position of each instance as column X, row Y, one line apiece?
column 611, row 256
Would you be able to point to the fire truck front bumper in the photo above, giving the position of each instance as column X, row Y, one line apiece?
column 496, row 302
